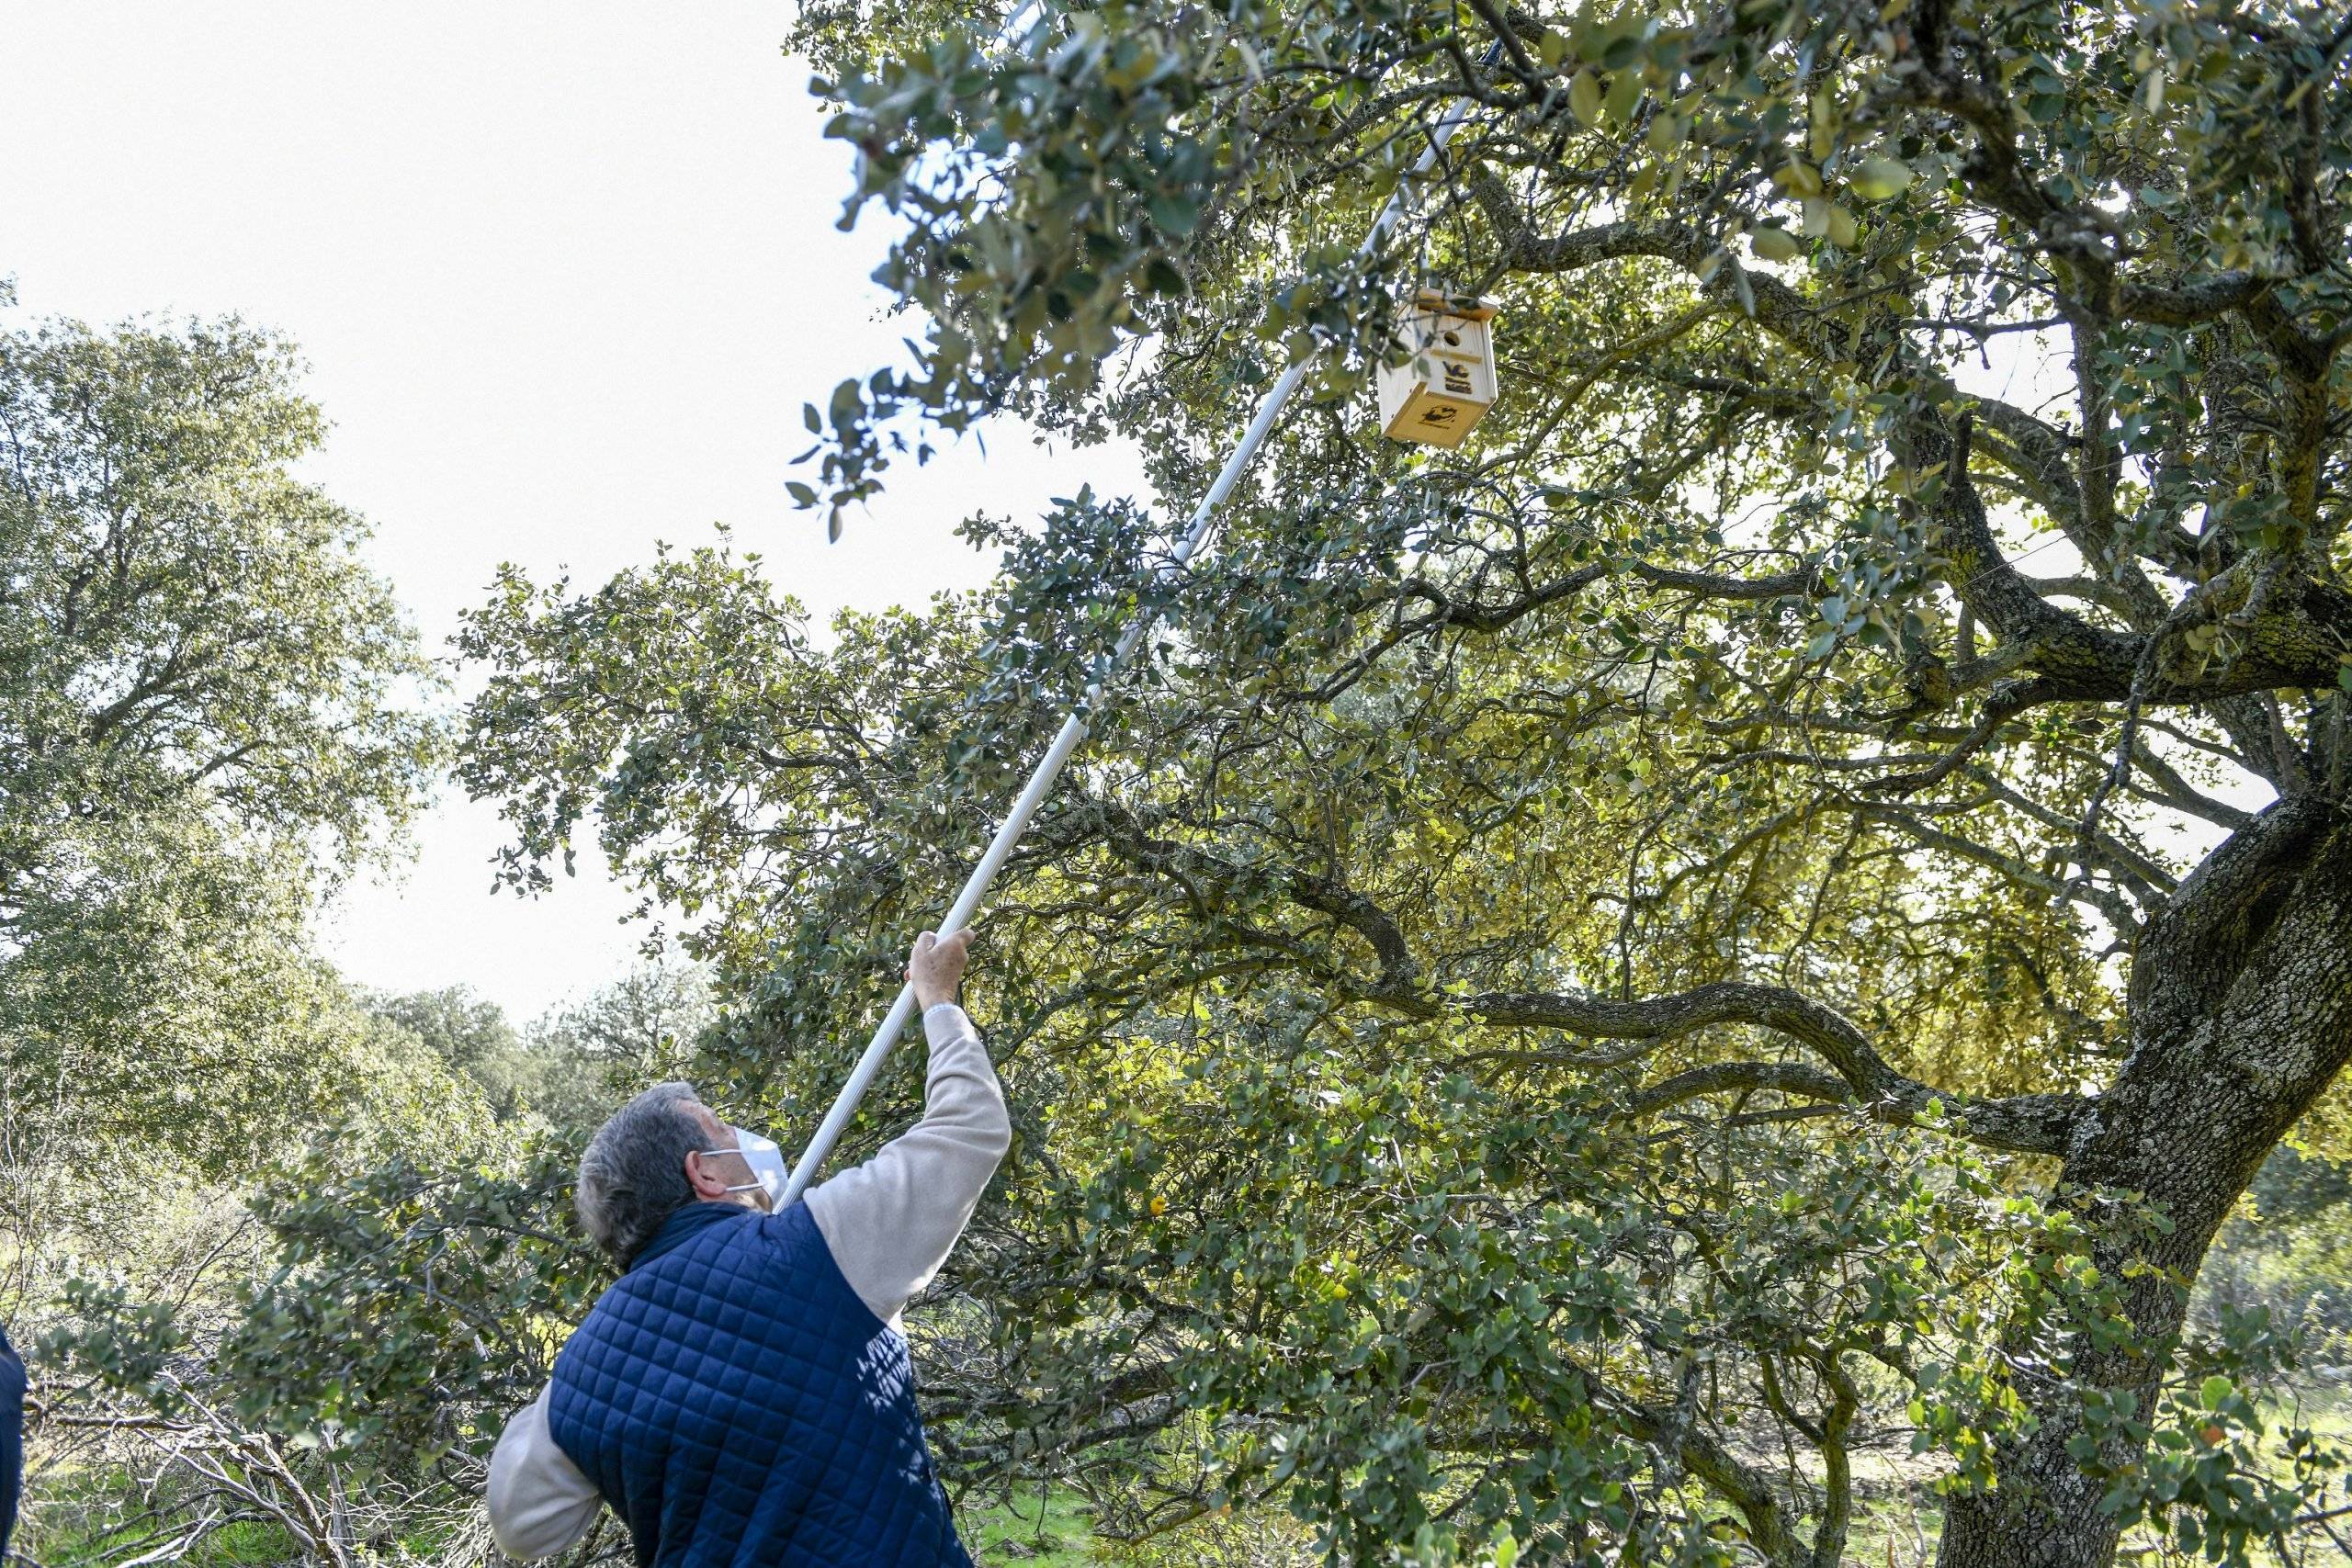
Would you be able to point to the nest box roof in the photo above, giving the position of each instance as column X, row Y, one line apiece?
column 1444, row 304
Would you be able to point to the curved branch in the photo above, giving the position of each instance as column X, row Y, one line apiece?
column 2009, row 700
column 1860, row 1075
column 2068, row 649
column 1778, row 308
column 2035, row 1123
column 1784, row 1077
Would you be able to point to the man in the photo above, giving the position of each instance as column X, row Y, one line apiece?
column 743, row 1394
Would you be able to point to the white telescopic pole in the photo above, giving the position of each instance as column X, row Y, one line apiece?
column 1074, row 729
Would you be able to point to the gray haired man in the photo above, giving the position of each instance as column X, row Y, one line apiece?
column 743, row 1394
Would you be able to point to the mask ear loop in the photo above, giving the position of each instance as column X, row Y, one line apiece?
column 747, row 1143
column 740, row 1186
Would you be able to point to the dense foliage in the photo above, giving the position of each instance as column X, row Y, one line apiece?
column 283, row 1254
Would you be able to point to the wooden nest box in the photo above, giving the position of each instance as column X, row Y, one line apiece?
column 1448, row 382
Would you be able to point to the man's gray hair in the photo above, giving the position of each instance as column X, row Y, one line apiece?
column 633, row 1176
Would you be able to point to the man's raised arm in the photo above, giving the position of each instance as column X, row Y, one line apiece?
column 891, row 1222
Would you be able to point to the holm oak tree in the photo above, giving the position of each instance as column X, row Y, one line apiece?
column 1769, row 906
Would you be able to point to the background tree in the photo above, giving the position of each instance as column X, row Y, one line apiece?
column 208, row 714
column 206, row 708
column 1601, row 975
column 468, row 1033
column 571, row 1067
column 587, row 1057
column 2288, row 1248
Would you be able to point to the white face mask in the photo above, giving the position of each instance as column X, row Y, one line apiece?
column 768, row 1169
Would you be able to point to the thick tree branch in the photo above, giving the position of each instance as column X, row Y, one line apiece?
column 1860, row 1077
column 2035, row 1123
column 2221, row 911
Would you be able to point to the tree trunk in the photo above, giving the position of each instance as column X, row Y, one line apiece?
column 2240, row 1015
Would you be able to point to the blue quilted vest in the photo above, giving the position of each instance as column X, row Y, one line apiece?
column 737, row 1405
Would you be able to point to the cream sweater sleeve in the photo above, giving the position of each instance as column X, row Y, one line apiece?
column 891, row 1222
column 539, row 1501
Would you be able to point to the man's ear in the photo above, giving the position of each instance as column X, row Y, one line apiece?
column 707, row 1183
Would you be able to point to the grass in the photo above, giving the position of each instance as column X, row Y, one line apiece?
column 1052, row 1532
column 245, row 1542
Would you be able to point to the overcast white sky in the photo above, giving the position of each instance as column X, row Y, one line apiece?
column 564, row 274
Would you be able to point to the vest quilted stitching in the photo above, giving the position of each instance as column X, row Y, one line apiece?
column 737, row 1405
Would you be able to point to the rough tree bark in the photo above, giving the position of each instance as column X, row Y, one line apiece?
column 2240, row 1015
